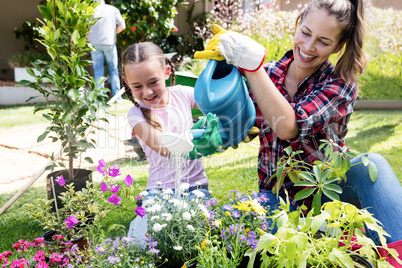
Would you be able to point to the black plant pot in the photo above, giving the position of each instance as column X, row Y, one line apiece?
column 81, row 178
column 362, row 260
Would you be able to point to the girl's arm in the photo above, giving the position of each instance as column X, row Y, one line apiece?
column 150, row 136
column 274, row 107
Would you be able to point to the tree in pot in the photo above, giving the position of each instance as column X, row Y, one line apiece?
column 63, row 33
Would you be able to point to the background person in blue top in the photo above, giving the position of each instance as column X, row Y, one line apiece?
column 103, row 37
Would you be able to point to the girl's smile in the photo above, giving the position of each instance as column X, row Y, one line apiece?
column 147, row 82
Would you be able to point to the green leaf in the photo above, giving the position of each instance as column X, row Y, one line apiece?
column 338, row 256
column 305, row 183
column 293, row 177
column 42, row 136
column 303, row 194
column 365, row 160
column 316, row 204
column 74, row 94
column 331, row 194
column 373, row 171
column 318, row 221
column 333, row 187
column 46, row 14
column 307, row 176
column 30, row 71
column 89, row 160
column 288, row 150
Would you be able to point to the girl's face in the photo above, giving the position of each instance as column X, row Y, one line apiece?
column 315, row 40
column 147, row 82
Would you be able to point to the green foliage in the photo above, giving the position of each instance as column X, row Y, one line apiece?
column 146, row 20
column 317, row 241
column 63, row 33
column 26, row 59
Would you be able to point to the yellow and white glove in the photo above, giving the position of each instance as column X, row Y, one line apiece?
column 237, row 49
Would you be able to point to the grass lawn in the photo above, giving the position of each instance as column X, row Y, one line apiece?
column 369, row 131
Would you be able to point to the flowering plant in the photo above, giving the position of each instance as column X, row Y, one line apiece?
column 233, row 229
column 83, row 209
column 175, row 225
column 34, row 254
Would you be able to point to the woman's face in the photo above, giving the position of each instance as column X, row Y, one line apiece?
column 147, row 82
column 315, row 40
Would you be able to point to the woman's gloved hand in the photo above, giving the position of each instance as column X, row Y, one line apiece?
column 237, row 49
column 210, row 141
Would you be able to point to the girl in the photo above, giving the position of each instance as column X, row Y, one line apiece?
column 158, row 108
column 304, row 98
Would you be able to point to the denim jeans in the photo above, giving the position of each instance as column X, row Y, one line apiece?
column 382, row 198
column 108, row 53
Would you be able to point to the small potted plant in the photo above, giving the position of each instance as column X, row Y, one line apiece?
column 64, row 78
column 83, row 210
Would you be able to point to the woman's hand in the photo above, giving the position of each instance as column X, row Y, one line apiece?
column 237, row 49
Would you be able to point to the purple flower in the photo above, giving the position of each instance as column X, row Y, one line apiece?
column 236, row 214
column 114, row 188
column 113, row 260
column 227, row 207
column 229, row 248
column 71, row 221
column 213, row 201
column 140, row 211
column 154, row 251
column 114, row 199
column 128, row 180
column 61, row 181
column 264, row 226
column 101, row 167
column 223, row 234
column 242, row 238
column 114, row 171
column 104, row 187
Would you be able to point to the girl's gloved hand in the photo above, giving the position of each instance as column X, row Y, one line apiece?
column 210, row 141
column 237, row 49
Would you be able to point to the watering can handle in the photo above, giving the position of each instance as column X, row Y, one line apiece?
column 197, row 133
column 208, row 75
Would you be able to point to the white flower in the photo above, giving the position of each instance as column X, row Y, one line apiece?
column 217, row 223
column 178, row 248
column 206, row 214
column 153, row 218
column 198, row 193
column 184, row 186
column 181, row 205
column 175, row 202
column 192, row 212
column 164, row 225
column 159, row 183
column 148, row 203
column 185, row 194
column 157, row 207
column 190, row 228
column 167, row 216
column 198, row 183
column 167, row 191
column 166, row 197
column 157, row 227
column 143, row 193
column 150, row 210
column 187, row 216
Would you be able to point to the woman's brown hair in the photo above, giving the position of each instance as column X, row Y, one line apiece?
column 350, row 16
column 138, row 53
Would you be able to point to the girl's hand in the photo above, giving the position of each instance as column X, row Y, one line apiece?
column 237, row 49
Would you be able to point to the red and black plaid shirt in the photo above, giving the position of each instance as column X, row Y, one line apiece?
column 323, row 104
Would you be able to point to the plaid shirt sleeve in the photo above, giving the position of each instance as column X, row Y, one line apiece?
column 323, row 105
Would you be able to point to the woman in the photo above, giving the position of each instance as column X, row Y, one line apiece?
column 305, row 99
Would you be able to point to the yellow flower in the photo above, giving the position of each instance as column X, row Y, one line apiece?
column 204, row 244
column 257, row 207
column 184, row 266
column 246, row 230
column 243, row 206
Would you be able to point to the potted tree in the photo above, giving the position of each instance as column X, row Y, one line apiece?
column 63, row 33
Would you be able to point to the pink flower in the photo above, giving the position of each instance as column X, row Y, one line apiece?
column 22, row 245
column 114, row 188
column 39, row 256
column 38, row 242
column 61, row 181
column 42, row 264
column 21, row 263
column 58, row 237
column 175, row 29
column 140, row 211
column 101, row 167
column 71, row 221
column 104, row 187
column 128, row 180
column 114, row 199
column 114, row 171
column 138, row 197
column 133, row 28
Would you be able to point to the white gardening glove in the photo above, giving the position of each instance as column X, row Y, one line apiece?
column 237, row 49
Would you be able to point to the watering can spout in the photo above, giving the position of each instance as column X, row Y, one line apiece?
column 221, row 90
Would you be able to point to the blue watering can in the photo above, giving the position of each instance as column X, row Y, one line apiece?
column 221, row 90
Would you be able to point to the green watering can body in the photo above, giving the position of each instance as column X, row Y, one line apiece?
column 221, row 90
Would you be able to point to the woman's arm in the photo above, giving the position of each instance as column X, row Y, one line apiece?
column 274, row 107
